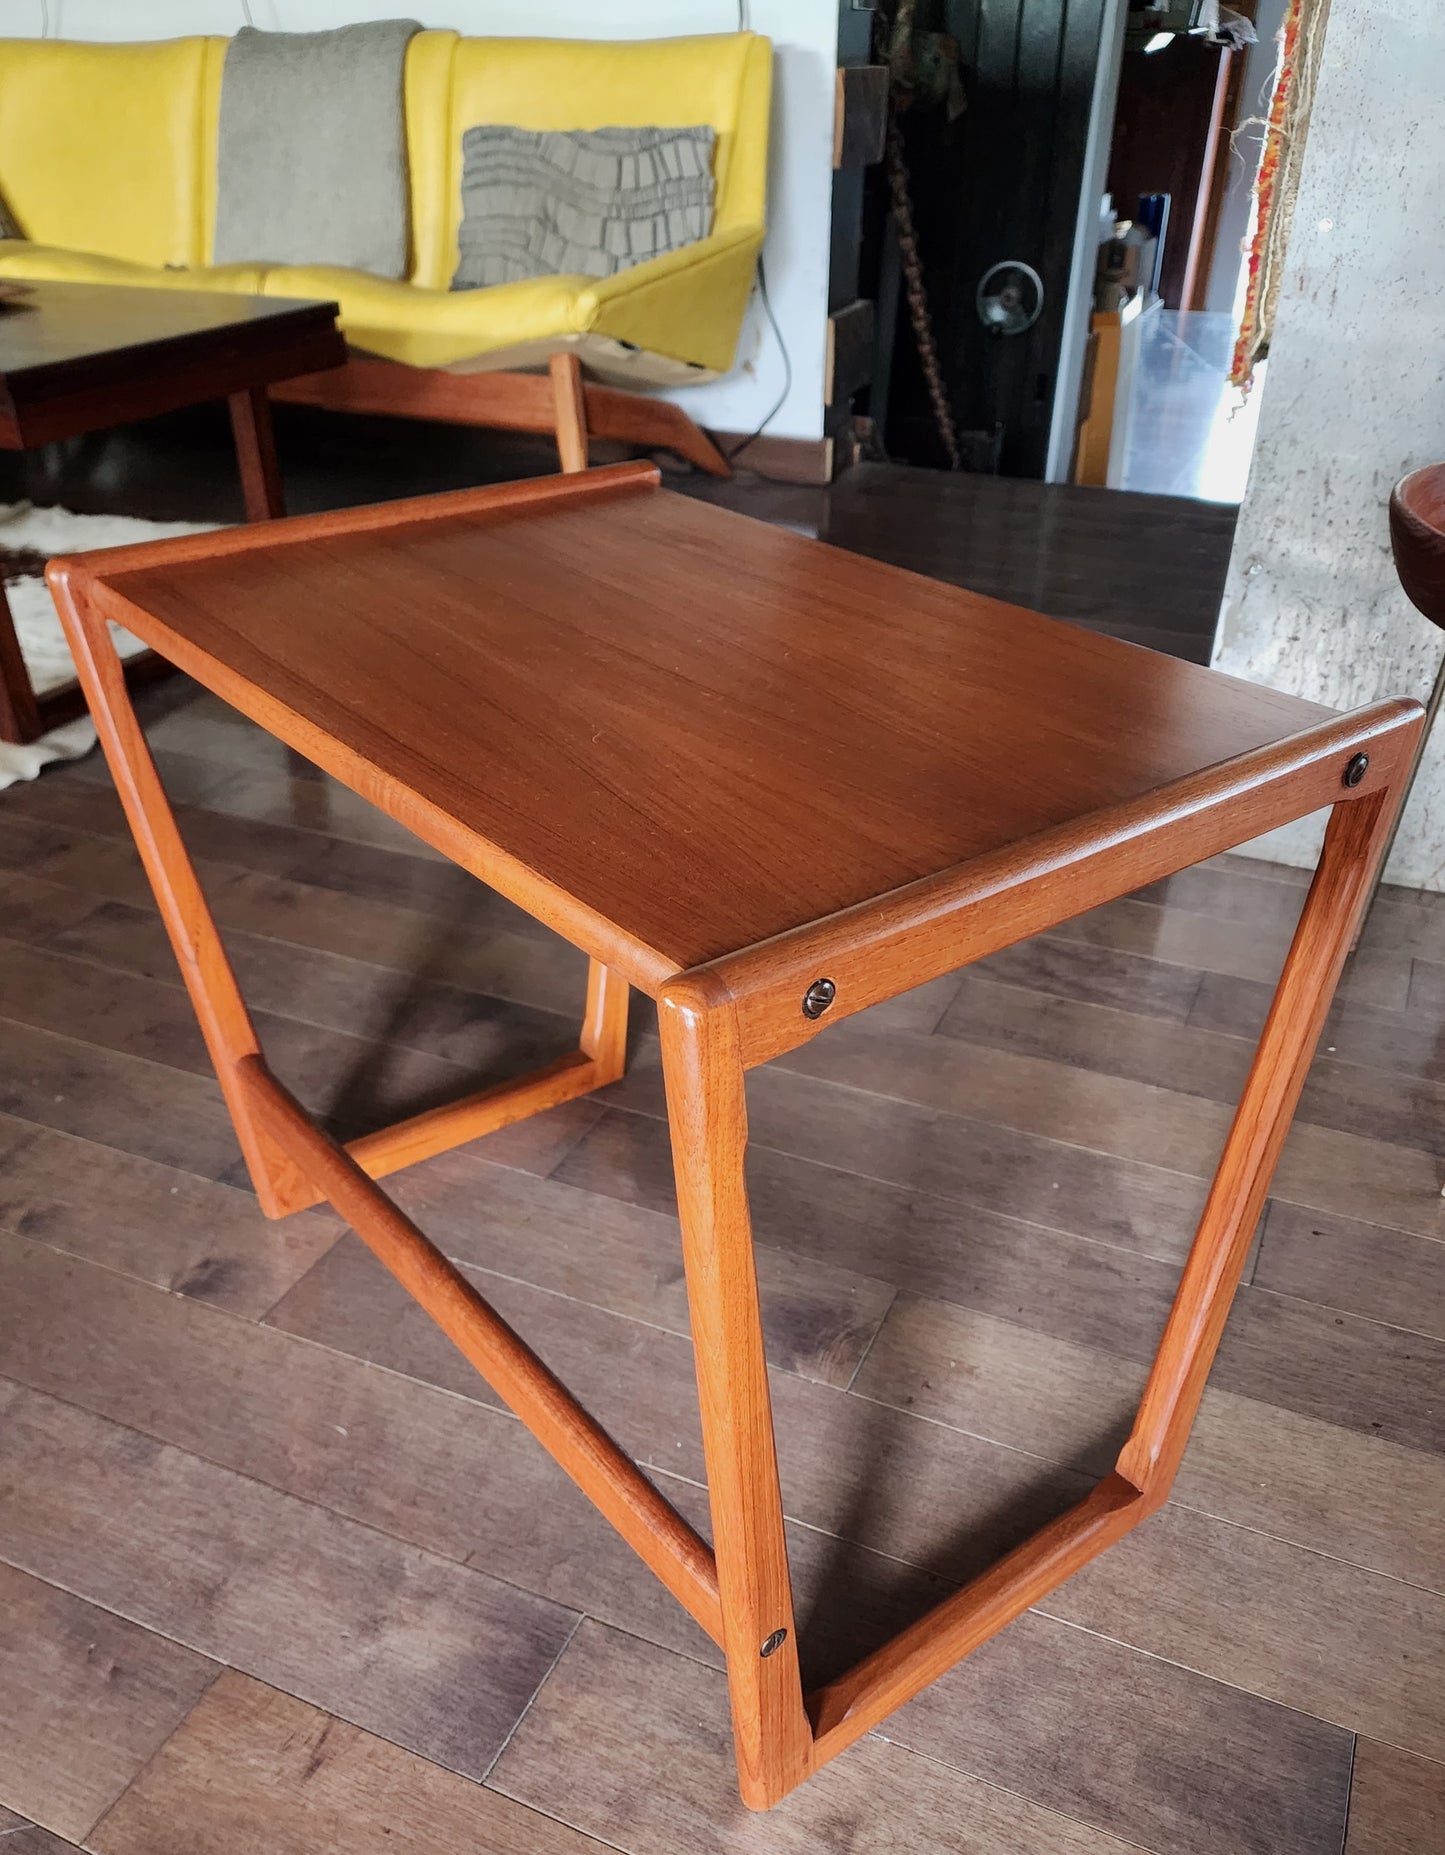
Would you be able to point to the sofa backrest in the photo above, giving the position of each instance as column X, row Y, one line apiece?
column 111, row 148
column 453, row 84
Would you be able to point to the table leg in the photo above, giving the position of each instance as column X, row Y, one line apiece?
column 708, row 1117
column 1354, row 844
column 293, row 1162
column 225, row 1022
column 570, row 406
column 1140, row 1483
column 19, row 710
column 256, row 454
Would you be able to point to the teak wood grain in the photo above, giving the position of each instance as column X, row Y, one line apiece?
column 900, row 728
column 771, row 785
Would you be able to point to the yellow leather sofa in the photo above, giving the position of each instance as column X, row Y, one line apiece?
column 108, row 166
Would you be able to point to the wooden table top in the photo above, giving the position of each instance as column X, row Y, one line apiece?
column 60, row 324
column 701, row 729
column 79, row 356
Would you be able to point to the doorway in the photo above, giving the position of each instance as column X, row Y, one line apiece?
column 1188, row 134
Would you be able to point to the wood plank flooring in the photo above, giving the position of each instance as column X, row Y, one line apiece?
column 277, row 1571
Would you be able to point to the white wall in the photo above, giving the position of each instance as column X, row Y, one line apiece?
column 804, row 35
column 1355, row 398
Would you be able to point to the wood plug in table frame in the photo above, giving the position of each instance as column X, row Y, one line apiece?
column 751, row 941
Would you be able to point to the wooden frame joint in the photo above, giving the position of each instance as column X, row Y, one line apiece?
column 571, row 1436
column 600, row 1059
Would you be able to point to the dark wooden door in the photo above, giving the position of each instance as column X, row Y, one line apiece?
column 1002, row 181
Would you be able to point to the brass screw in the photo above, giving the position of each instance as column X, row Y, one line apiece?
column 819, row 995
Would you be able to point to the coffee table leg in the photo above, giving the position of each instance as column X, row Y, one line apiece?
column 708, row 1117
column 281, row 1185
column 858, row 1700
column 773, row 1724
column 256, row 454
column 224, row 1020
column 19, row 710
column 1356, row 838
column 570, row 405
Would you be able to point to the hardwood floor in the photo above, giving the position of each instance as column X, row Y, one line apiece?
column 278, row 1573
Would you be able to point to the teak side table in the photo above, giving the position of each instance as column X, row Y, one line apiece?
column 769, row 784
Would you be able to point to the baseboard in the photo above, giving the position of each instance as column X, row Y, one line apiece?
column 781, row 460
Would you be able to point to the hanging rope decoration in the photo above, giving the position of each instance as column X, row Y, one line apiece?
column 1277, row 185
column 918, row 311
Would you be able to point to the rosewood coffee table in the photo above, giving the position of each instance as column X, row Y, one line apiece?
column 769, row 784
column 80, row 357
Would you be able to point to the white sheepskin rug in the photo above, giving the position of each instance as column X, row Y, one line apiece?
column 42, row 642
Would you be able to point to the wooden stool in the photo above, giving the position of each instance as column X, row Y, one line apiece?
column 1417, row 537
column 770, row 784
column 1417, row 534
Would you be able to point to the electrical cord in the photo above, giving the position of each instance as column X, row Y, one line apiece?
column 777, row 404
column 745, row 25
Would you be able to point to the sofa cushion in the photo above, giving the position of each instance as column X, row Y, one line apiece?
column 432, row 328
column 547, row 203
column 94, row 161
column 311, row 162
column 56, row 264
column 99, row 145
column 453, row 83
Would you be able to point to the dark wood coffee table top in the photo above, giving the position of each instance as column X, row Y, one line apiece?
column 79, row 357
column 692, row 729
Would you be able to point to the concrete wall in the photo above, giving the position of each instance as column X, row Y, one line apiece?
column 804, row 35
column 1355, row 398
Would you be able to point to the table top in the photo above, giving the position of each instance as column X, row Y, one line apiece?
column 696, row 728
column 78, row 357
column 61, row 324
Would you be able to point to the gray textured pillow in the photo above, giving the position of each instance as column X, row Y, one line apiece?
column 550, row 203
